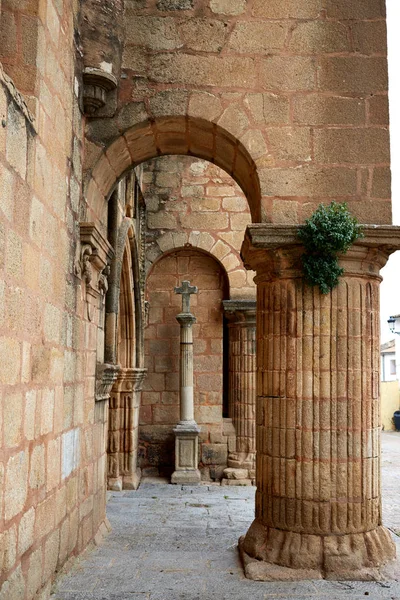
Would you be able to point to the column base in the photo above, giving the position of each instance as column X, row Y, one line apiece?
column 189, row 477
column 114, row 484
column 132, row 482
column 186, row 454
column 242, row 460
column 273, row 555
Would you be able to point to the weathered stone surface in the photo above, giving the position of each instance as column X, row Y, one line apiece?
column 228, row 7
column 214, row 454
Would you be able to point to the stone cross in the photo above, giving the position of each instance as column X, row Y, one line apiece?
column 186, row 290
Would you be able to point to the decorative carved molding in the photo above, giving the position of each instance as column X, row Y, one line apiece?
column 106, row 375
column 96, row 85
column 92, row 266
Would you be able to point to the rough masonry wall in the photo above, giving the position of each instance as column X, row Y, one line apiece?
column 52, row 454
column 191, row 201
column 293, row 95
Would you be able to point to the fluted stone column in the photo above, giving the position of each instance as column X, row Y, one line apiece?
column 123, row 472
column 241, row 316
column 318, row 501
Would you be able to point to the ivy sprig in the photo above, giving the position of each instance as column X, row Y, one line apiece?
column 329, row 231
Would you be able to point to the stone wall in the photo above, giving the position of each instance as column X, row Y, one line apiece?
column 52, row 455
column 292, row 98
column 191, row 201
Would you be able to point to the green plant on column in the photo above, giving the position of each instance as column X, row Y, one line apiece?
column 329, row 231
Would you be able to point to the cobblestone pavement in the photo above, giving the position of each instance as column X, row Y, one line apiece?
column 170, row 543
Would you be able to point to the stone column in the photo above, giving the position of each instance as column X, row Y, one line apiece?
column 318, row 501
column 123, row 472
column 241, row 316
column 187, row 430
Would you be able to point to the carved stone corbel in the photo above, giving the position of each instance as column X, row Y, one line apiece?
column 92, row 266
column 106, row 376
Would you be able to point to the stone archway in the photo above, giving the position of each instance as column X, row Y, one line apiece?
column 160, row 396
column 124, row 328
column 171, row 135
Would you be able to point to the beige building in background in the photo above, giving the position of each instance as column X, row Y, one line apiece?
column 146, row 142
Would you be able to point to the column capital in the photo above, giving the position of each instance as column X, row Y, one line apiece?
column 131, row 379
column 274, row 251
column 186, row 319
column 106, row 375
column 240, row 311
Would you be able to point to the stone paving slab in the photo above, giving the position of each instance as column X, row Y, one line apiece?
column 178, row 543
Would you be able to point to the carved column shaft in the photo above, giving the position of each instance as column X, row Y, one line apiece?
column 241, row 316
column 123, row 472
column 318, row 502
column 186, row 367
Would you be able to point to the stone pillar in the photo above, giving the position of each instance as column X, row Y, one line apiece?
column 187, row 430
column 123, row 472
column 318, row 501
column 241, row 316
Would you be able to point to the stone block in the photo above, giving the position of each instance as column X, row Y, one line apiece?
column 236, row 473
column 26, row 531
column 203, row 70
column 9, row 547
column 381, row 183
column 318, row 37
column 236, row 482
column 288, row 73
column 216, row 472
column 378, row 110
column 258, row 37
column 16, row 484
column 203, row 35
column 70, row 454
column 17, row 141
column 51, row 555
column 169, row 5
column 309, row 181
column 12, row 419
column 369, row 37
column 290, row 9
column 365, row 146
column 322, row 110
column 228, row 7
column 355, row 74
column 214, row 454
column 34, row 574
column 37, row 471
column 205, row 105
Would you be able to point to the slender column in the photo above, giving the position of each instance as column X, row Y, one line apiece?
column 187, row 430
column 241, row 316
column 123, row 472
column 318, row 501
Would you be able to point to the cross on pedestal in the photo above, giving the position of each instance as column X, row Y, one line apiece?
column 186, row 290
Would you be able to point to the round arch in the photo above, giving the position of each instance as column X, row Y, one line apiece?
column 182, row 135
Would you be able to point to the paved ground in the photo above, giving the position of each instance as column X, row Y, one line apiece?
column 170, row 543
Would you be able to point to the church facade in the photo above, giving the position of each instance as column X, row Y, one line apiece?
column 148, row 142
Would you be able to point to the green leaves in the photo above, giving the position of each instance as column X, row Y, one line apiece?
column 330, row 230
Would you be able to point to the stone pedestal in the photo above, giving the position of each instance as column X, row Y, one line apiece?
column 123, row 472
column 187, row 431
column 241, row 316
column 318, row 501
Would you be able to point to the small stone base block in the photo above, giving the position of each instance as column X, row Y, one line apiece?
column 272, row 555
column 237, row 482
column 189, row 477
column 131, row 482
column 237, row 477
